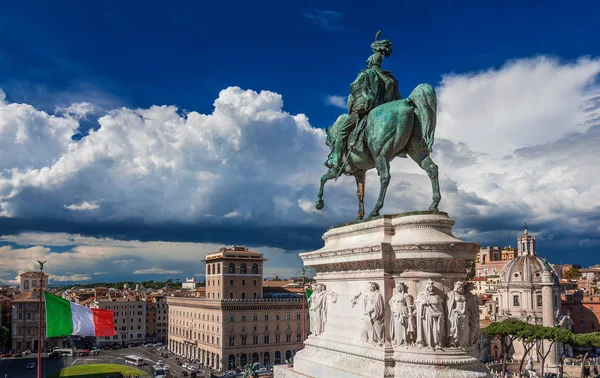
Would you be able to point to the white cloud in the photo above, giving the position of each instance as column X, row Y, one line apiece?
column 123, row 262
column 83, row 206
column 339, row 101
column 156, row 271
column 78, row 110
column 89, row 257
column 517, row 141
column 138, row 155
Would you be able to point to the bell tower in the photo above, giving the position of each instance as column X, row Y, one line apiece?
column 526, row 243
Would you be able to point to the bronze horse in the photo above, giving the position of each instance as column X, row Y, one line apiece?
column 396, row 128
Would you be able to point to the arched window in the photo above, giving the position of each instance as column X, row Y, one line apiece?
column 243, row 269
column 288, row 354
column 267, row 359
column 243, row 359
column 231, row 362
column 277, row 358
column 26, row 286
column 254, row 357
column 231, row 268
column 254, row 269
column 218, row 268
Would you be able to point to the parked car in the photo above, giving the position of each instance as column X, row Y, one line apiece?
column 18, row 354
column 95, row 352
column 148, row 345
column 30, row 366
column 6, row 355
column 84, row 352
column 27, row 352
column 54, row 355
column 158, row 344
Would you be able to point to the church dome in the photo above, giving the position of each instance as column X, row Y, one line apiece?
column 528, row 267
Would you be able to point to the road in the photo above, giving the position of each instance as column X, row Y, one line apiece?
column 15, row 367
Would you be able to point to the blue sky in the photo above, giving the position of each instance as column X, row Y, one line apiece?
column 499, row 69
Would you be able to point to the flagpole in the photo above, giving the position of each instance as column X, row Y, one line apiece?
column 303, row 304
column 39, row 356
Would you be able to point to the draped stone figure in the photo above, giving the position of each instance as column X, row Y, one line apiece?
column 473, row 310
column 430, row 318
column 374, row 311
column 412, row 312
column 458, row 316
column 399, row 318
column 317, row 303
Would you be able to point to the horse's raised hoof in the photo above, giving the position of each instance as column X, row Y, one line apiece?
column 320, row 204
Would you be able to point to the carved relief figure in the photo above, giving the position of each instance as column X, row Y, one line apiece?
column 430, row 318
column 317, row 303
column 412, row 313
column 374, row 311
column 474, row 330
column 458, row 316
column 399, row 319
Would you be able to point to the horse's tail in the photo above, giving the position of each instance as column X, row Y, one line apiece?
column 425, row 100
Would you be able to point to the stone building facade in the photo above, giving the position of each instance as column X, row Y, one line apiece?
column 584, row 310
column 234, row 325
column 157, row 319
column 25, row 315
column 129, row 315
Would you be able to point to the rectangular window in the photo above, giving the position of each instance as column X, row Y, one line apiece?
column 243, row 282
column 298, row 337
column 231, row 318
column 288, row 338
column 287, row 316
column 254, row 295
column 276, row 316
column 267, row 340
column 539, row 300
column 255, row 282
column 254, row 340
column 255, row 318
column 516, row 301
column 298, row 316
column 266, row 318
column 277, row 338
column 243, row 340
column 231, row 341
column 243, row 295
column 231, row 282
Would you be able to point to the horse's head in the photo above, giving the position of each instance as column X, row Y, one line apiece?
column 331, row 131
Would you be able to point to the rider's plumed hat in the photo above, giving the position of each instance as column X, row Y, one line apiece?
column 383, row 46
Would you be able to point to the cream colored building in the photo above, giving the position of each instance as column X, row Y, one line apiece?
column 234, row 325
column 129, row 315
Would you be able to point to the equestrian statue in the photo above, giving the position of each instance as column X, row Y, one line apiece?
column 379, row 126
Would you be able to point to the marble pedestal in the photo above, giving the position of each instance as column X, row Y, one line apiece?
column 354, row 310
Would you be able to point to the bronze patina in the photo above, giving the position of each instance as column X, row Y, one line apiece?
column 379, row 126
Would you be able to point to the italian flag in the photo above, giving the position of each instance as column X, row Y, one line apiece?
column 65, row 318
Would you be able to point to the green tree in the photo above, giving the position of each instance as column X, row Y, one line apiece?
column 471, row 271
column 572, row 274
column 552, row 335
column 4, row 338
column 528, row 336
column 507, row 332
column 585, row 340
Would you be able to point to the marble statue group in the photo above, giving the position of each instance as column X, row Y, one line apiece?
column 434, row 320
